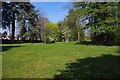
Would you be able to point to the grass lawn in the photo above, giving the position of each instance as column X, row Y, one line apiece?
column 37, row 60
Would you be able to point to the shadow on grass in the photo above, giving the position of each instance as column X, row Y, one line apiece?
column 104, row 67
column 19, row 41
column 94, row 43
column 6, row 48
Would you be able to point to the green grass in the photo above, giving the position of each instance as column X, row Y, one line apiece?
column 38, row 60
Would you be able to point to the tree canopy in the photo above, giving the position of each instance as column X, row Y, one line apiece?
column 101, row 18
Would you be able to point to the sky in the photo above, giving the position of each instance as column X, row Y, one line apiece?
column 54, row 11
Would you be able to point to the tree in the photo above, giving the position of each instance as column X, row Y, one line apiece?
column 8, row 16
column 65, row 30
column 27, row 18
column 73, row 22
column 31, row 34
column 51, row 30
column 61, row 31
column 101, row 17
column 17, row 11
column 40, row 26
column 105, row 20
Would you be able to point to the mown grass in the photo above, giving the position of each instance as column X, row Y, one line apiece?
column 37, row 60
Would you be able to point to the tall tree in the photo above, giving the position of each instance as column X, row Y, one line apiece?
column 9, row 15
column 73, row 21
column 101, row 17
column 66, row 30
column 27, row 17
column 13, row 10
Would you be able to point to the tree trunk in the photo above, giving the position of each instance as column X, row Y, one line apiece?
column 44, row 39
column 78, row 36
column 106, row 38
column 13, row 25
column 78, row 28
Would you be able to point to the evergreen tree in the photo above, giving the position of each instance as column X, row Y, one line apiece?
column 20, row 11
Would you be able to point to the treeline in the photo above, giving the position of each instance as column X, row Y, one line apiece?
column 100, row 19
column 32, row 24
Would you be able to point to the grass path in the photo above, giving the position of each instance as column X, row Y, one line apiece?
column 44, row 61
